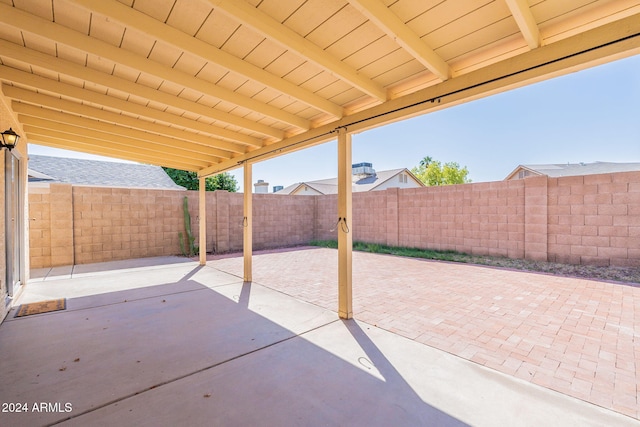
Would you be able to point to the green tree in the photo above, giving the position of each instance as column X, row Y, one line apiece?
column 426, row 161
column 189, row 180
column 433, row 172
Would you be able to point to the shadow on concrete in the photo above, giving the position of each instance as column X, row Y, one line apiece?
column 245, row 293
column 186, row 353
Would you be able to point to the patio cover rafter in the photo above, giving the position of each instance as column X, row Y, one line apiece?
column 134, row 19
column 71, row 133
column 387, row 21
column 63, row 67
column 60, row 34
column 102, row 148
column 526, row 22
column 49, row 119
column 274, row 30
column 133, row 125
column 233, row 141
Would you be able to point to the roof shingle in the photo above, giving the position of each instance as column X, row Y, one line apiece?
column 574, row 169
column 99, row 173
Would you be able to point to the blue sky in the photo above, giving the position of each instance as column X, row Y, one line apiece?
column 591, row 115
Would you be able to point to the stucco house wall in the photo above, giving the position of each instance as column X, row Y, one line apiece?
column 408, row 181
column 305, row 190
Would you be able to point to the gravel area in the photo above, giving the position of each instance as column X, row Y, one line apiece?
column 629, row 275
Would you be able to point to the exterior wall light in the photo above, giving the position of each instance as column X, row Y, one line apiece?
column 9, row 139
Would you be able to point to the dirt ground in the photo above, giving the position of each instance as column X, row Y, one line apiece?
column 616, row 274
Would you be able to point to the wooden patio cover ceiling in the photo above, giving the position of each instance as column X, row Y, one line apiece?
column 204, row 85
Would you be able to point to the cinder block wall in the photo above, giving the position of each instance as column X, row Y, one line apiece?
column 326, row 216
column 79, row 225
column 281, row 221
column 483, row 218
column 370, row 216
column 51, row 236
column 40, row 228
column 595, row 219
column 369, row 223
column 592, row 219
column 115, row 223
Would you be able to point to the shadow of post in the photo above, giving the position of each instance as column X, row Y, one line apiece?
column 192, row 273
column 245, row 293
column 394, row 380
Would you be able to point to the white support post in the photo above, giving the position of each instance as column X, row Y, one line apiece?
column 247, row 223
column 202, row 207
column 345, row 239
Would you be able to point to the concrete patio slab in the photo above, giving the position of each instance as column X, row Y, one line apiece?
column 108, row 346
column 69, row 271
column 350, row 373
column 104, row 284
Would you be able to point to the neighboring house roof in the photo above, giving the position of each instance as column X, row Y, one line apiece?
column 320, row 188
column 574, row 169
column 369, row 183
column 98, row 173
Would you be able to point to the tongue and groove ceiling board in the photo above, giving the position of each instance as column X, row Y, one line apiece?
column 205, row 85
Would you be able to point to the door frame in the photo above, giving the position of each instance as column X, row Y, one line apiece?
column 14, row 226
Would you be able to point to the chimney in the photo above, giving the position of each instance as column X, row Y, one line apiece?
column 261, row 187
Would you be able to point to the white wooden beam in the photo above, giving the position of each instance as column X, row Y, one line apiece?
column 57, row 65
column 389, row 22
column 60, row 34
column 131, row 18
column 55, row 120
column 95, row 133
column 606, row 43
column 344, row 226
column 42, row 83
column 526, row 22
column 250, row 16
column 202, row 220
column 120, row 145
column 115, row 152
column 247, row 224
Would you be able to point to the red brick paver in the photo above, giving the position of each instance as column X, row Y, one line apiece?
column 578, row 337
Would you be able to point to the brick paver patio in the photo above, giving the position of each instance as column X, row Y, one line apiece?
column 578, row 337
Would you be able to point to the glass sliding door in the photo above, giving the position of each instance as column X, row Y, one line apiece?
column 13, row 222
